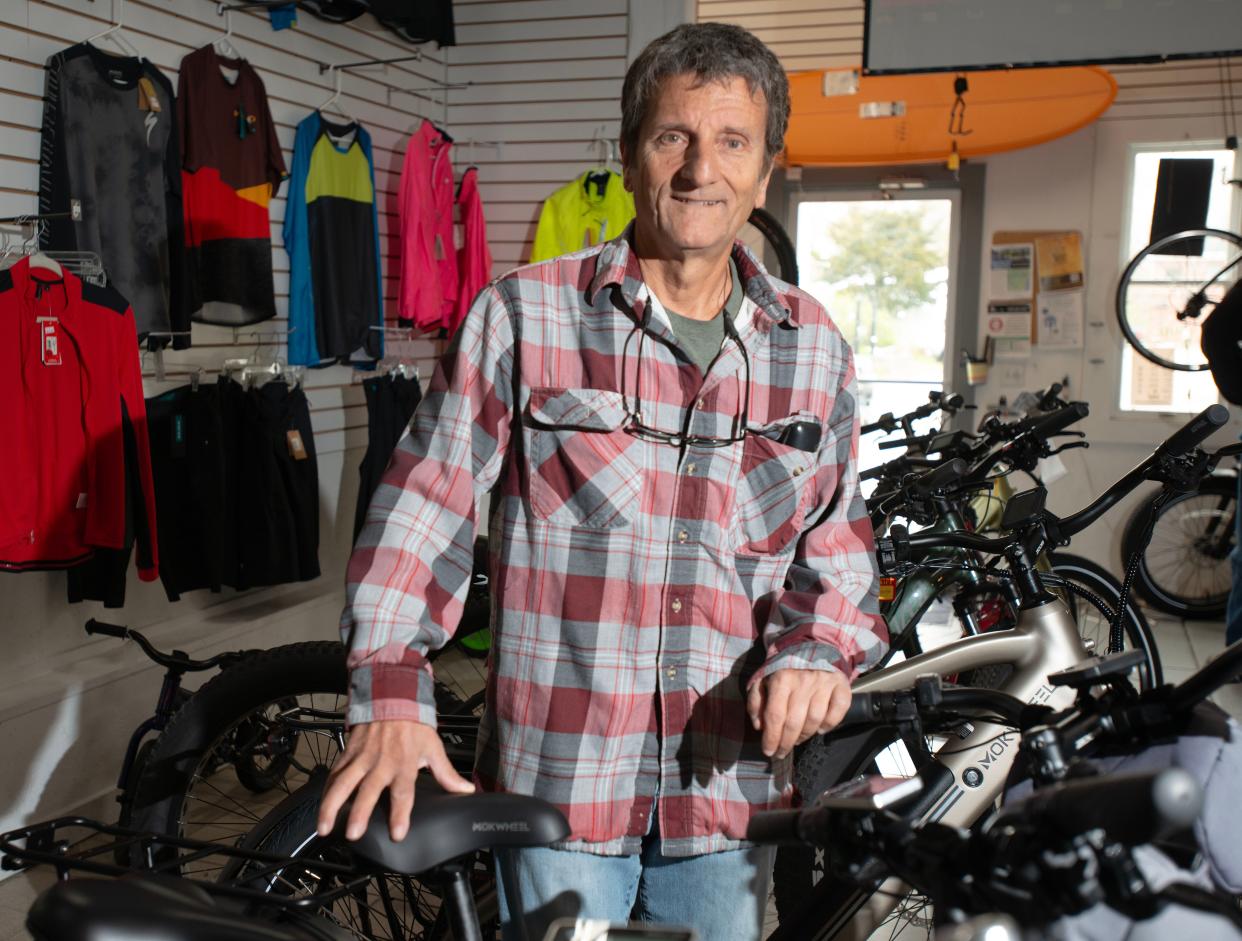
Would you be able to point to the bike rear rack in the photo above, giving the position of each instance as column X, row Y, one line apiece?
column 79, row 844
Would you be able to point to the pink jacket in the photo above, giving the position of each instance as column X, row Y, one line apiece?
column 427, row 292
column 474, row 260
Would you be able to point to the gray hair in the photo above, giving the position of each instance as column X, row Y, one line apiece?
column 712, row 52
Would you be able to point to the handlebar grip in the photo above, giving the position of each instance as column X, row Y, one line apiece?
column 1131, row 808
column 774, row 827
column 883, row 423
column 99, row 627
column 938, row 477
column 903, row 442
column 1047, row 425
column 1195, row 431
column 862, row 709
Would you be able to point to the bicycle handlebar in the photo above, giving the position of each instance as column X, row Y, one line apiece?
column 939, row 402
column 111, row 630
column 938, row 477
column 1050, row 423
column 1185, row 439
column 1131, row 808
column 175, row 660
column 1195, row 431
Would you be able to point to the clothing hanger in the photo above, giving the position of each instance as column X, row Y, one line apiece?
column 223, row 44
column 38, row 259
column 333, row 101
column 602, row 172
column 114, row 35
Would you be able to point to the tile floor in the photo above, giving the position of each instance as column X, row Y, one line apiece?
column 1184, row 647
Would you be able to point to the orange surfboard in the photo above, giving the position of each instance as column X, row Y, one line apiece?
column 906, row 118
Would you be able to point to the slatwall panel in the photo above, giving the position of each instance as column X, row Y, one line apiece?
column 546, row 81
column 1195, row 88
column 826, row 34
column 804, row 34
column 164, row 31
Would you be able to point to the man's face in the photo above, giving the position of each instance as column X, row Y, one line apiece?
column 699, row 167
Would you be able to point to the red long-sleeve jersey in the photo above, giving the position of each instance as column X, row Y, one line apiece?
column 71, row 383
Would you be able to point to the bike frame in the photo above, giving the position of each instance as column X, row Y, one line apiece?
column 1044, row 640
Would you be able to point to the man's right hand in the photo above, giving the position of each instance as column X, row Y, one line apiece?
column 387, row 753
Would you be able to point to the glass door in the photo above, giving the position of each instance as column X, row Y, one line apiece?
column 881, row 267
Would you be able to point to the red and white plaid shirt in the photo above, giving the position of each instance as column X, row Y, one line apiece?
column 639, row 588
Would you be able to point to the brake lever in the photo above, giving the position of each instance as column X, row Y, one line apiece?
column 1068, row 446
column 1229, row 450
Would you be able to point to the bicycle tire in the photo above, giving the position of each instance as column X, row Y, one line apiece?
column 1206, row 551
column 778, row 240
column 796, row 871
column 1127, row 276
column 1100, row 581
column 227, row 700
column 233, row 699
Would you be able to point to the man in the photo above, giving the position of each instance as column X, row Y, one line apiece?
column 683, row 572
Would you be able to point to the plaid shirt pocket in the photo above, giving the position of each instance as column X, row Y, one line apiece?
column 772, row 492
column 586, row 471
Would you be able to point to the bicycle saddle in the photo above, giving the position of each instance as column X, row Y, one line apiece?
column 155, row 907
column 445, row 826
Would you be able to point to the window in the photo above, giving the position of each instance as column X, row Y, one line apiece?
column 1145, row 386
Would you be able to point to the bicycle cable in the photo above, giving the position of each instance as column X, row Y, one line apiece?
column 1115, row 632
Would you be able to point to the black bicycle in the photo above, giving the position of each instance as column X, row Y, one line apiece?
column 172, row 696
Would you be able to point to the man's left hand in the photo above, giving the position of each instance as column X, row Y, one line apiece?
column 790, row 706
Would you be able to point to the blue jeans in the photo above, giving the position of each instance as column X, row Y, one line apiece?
column 722, row 896
column 1233, row 612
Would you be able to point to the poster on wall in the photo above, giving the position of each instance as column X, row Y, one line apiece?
column 1059, row 257
column 1060, row 318
column 1012, row 272
column 1009, row 327
column 1151, row 385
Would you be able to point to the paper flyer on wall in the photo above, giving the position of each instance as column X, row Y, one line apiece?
column 1060, row 320
column 1060, row 261
column 1009, row 326
column 1012, row 272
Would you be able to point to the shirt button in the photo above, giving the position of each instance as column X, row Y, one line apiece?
column 797, row 471
column 676, row 606
column 702, row 404
column 682, row 535
column 672, row 673
column 690, row 468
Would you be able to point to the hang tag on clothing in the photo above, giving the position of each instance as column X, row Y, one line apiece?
column 148, row 99
column 178, row 436
column 439, row 247
column 297, row 450
column 51, row 341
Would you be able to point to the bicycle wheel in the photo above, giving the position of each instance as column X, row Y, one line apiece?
column 1092, row 624
column 1185, row 569
column 1169, row 287
column 764, row 235
column 799, row 871
column 240, row 745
